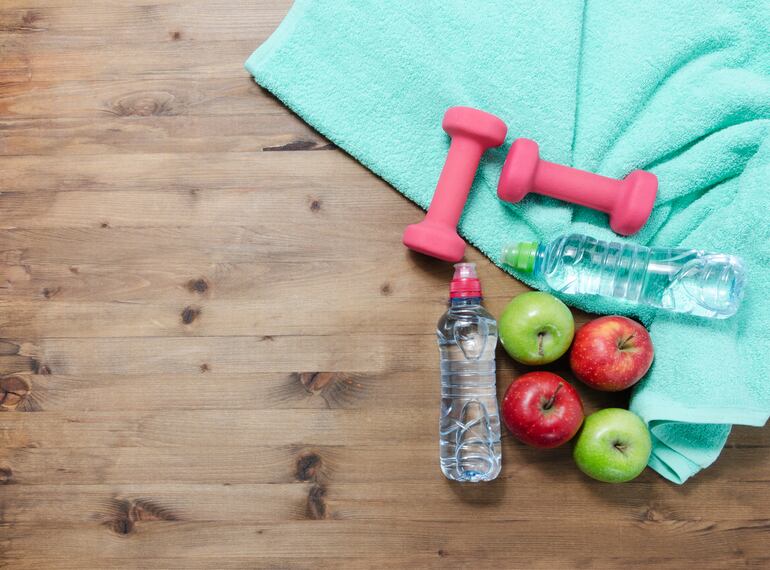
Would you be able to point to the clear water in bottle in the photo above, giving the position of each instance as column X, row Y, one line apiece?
column 469, row 426
column 675, row 279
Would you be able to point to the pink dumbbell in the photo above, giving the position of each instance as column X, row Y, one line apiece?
column 628, row 201
column 472, row 133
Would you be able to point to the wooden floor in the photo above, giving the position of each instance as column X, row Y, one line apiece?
column 216, row 353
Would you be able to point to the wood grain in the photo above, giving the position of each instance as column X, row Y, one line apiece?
column 216, row 353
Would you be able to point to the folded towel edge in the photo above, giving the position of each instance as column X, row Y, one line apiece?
column 654, row 407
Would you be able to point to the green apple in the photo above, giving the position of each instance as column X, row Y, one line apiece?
column 536, row 328
column 614, row 446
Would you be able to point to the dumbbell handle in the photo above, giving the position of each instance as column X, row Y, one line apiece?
column 576, row 186
column 455, row 181
column 628, row 202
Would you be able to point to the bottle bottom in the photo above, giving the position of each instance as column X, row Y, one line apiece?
column 472, row 469
column 469, row 435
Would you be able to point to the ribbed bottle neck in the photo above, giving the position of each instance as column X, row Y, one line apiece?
column 537, row 268
column 465, row 302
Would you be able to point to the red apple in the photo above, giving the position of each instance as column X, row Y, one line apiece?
column 611, row 353
column 542, row 409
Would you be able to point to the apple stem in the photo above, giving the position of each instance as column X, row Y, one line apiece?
column 540, row 338
column 552, row 399
column 622, row 345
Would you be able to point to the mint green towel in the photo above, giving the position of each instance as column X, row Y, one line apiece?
column 679, row 88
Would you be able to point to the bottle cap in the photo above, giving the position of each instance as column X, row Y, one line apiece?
column 521, row 256
column 465, row 282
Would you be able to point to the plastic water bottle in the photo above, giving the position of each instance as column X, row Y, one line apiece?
column 675, row 279
column 469, row 427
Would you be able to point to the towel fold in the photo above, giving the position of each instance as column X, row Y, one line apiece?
column 681, row 89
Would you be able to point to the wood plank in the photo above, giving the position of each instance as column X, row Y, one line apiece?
column 159, row 172
column 32, row 464
column 76, row 58
column 218, row 428
column 232, row 355
column 397, row 276
column 259, row 503
column 428, row 560
column 197, row 132
column 265, row 240
column 92, row 24
column 548, row 545
column 42, row 108
column 207, row 207
column 209, row 389
column 161, row 116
